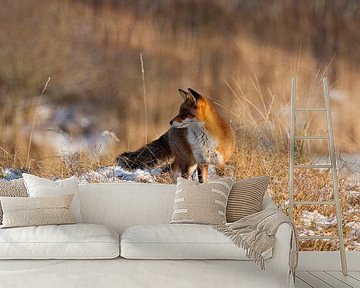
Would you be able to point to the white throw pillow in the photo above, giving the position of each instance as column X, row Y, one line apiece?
column 181, row 241
column 42, row 187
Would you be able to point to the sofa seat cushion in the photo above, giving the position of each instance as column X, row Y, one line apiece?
column 180, row 241
column 74, row 241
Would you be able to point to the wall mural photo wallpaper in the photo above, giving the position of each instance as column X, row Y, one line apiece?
column 100, row 90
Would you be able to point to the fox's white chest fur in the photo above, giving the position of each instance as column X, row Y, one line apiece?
column 203, row 144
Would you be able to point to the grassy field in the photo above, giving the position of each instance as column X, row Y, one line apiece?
column 241, row 54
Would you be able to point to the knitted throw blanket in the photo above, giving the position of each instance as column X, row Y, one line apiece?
column 256, row 234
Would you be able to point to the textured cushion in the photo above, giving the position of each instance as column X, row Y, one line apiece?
column 246, row 197
column 14, row 188
column 27, row 211
column 201, row 203
column 182, row 241
column 73, row 241
column 41, row 187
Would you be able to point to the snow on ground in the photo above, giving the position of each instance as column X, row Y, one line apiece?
column 10, row 174
column 317, row 218
column 69, row 129
column 106, row 175
column 350, row 162
column 103, row 174
column 118, row 174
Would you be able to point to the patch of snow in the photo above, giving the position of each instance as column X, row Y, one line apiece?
column 355, row 229
column 307, row 232
column 354, row 193
column 64, row 143
column 103, row 175
column 145, row 175
column 349, row 161
column 285, row 204
column 310, row 217
column 322, row 222
column 353, row 210
column 118, row 174
column 72, row 128
column 9, row 174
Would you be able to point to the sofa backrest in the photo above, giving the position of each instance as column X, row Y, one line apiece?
column 122, row 205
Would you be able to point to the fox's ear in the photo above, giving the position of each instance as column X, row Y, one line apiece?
column 185, row 95
column 195, row 94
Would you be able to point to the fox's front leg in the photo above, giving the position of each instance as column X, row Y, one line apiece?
column 220, row 169
column 203, row 172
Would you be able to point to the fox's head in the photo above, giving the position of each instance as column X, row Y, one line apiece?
column 191, row 110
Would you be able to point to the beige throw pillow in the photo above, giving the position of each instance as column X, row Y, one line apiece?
column 201, row 203
column 246, row 197
column 14, row 188
column 27, row 211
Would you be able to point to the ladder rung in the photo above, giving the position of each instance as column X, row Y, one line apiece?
column 310, row 109
column 318, row 237
column 311, row 137
column 314, row 202
column 313, row 166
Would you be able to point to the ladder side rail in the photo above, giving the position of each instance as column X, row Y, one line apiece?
column 335, row 179
column 292, row 147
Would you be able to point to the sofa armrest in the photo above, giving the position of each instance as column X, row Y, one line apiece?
column 279, row 263
column 281, row 248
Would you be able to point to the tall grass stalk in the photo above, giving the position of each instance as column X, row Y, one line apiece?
column 28, row 162
column 145, row 99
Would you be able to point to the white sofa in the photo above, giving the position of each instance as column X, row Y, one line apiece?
column 119, row 206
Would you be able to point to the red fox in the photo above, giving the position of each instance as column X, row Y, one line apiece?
column 198, row 137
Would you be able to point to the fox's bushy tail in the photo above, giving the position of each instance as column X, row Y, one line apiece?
column 154, row 154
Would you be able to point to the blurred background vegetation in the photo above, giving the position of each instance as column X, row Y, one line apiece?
column 240, row 53
column 233, row 51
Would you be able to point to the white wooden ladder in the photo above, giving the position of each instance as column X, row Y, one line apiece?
column 332, row 166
